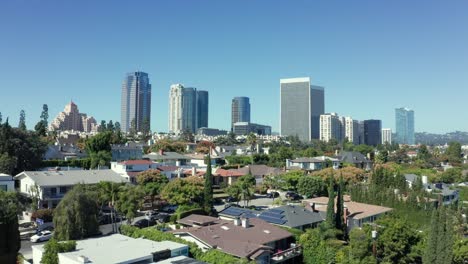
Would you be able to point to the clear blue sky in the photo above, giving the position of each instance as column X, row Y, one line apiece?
column 371, row 56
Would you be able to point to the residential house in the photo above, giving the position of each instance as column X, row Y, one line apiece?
column 51, row 186
column 355, row 214
column 254, row 239
column 195, row 220
column 6, row 182
column 292, row 216
column 313, row 164
column 131, row 168
column 118, row 248
column 357, row 159
column 228, row 177
column 168, row 158
column 127, row 151
column 448, row 194
column 259, row 172
column 64, row 152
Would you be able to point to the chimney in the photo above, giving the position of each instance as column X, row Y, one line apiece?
column 194, row 171
column 237, row 221
column 313, row 207
column 245, row 222
column 424, row 179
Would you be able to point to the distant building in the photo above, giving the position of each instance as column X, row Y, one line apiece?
column 245, row 128
column 351, row 128
column 372, row 132
column 331, row 127
column 301, row 105
column 240, row 110
column 72, row 119
column 356, row 158
column 136, row 102
column 211, row 131
column 188, row 109
column 404, row 123
column 130, row 168
column 386, row 135
column 127, row 151
column 313, row 164
column 202, row 108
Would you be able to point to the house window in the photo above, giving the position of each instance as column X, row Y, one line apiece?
column 3, row 187
column 63, row 189
column 53, row 191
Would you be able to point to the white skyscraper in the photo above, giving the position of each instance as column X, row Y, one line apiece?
column 175, row 108
column 331, row 127
column 386, row 135
column 351, row 130
column 188, row 109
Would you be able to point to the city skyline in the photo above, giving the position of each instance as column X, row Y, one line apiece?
column 369, row 62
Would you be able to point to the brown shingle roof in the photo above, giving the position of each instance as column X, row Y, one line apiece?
column 201, row 220
column 356, row 210
column 228, row 173
column 237, row 240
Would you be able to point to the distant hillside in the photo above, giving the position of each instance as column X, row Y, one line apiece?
column 441, row 139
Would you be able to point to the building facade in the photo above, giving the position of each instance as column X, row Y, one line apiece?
column 245, row 128
column 404, row 123
column 351, row 128
column 300, row 108
column 72, row 119
column 386, row 135
column 331, row 127
column 188, row 109
column 240, row 110
column 372, row 132
column 136, row 103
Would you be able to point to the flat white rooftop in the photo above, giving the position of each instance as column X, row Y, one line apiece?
column 295, row 80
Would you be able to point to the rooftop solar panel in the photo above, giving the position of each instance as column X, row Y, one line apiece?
column 279, row 211
column 272, row 220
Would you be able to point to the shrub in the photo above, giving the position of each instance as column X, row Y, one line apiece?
column 45, row 214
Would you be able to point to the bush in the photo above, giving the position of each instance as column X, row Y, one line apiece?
column 45, row 214
column 53, row 247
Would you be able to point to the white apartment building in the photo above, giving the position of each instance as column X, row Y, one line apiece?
column 351, row 128
column 175, row 108
column 331, row 127
column 386, row 135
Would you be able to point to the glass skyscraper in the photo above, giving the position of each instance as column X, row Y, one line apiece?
column 404, row 123
column 202, row 109
column 136, row 102
column 372, row 132
column 301, row 105
column 240, row 110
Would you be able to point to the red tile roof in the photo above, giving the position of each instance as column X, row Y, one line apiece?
column 228, row 173
column 167, row 168
column 137, row 162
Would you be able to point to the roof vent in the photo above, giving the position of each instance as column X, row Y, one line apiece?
column 83, row 259
column 225, row 227
column 266, row 231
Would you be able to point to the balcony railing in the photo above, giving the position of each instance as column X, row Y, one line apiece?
column 48, row 195
column 286, row 254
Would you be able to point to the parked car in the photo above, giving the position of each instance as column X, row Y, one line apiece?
column 295, row 197
column 273, row 195
column 231, row 204
column 162, row 218
column 142, row 223
column 230, row 199
column 289, row 194
column 45, row 226
column 169, row 208
column 151, row 215
column 42, row 236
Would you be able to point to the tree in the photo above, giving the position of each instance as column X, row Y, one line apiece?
column 246, row 183
column 423, row 153
column 130, row 200
column 45, row 114
column 291, row 179
column 382, row 157
column 117, row 127
column 251, row 140
column 204, row 147
column 319, row 245
column 22, row 121
column 311, row 186
column 110, row 126
column 133, row 128
column 331, row 203
column 99, row 149
column 183, row 191
column 364, row 149
column 10, row 238
column 1, row 118
column 145, row 126
column 454, row 152
column 360, row 247
column 76, row 215
column 187, row 136
column 152, row 182
column 53, row 247
column 208, row 189
column 339, row 217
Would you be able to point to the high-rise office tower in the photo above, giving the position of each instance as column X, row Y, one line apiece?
column 240, row 110
column 351, row 130
column 202, row 109
column 404, row 121
column 188, row 109
column 136, row 102
column 301, row 105
column 386, row 135
column 331, row 127
column 372, row 132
